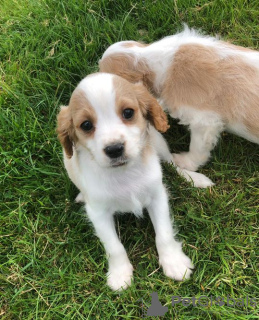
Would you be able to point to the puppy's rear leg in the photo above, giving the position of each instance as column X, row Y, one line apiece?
column 120, row 269
column 199, row 180
column 203, row 140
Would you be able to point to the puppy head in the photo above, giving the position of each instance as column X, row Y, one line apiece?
column 124, row 59
column 108, row 116
column 123, row 65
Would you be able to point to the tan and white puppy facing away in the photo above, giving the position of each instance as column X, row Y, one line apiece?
column 112, row 153
column 210, row 85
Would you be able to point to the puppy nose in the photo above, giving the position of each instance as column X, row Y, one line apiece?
column 115, row 150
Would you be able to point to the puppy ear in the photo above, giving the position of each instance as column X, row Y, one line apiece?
column 64, row 128
column 151, row 109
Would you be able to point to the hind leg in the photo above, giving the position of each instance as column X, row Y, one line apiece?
column 203, row 140
column 199, row 180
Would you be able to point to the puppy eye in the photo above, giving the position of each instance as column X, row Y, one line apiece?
column 87, row 126
column 128, row 113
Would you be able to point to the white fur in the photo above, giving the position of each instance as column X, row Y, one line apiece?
column 205, row 126
column 131, row 187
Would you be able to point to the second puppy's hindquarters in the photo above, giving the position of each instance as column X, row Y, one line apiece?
column 111, row 153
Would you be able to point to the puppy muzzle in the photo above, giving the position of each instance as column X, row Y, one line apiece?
column 116, row 152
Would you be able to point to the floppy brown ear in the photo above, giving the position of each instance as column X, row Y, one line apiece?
column 151, row 109
column 64, row 128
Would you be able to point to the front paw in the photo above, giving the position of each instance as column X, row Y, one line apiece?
column 184, row 161
column 176, row 265
column 120, row 276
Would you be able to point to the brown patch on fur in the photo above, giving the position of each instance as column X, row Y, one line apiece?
column 191, row 76
column 137, row 97
column 151, row 109
column 70, row 118
column 200, row 78
column 123, row 103
column 126, row 98
column 126, row 66
column 81, row 110
column 134, row 44
column 65, row 130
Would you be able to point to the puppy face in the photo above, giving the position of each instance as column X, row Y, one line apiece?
column 108, row 116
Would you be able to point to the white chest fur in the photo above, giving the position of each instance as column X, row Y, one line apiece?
column 125, row 189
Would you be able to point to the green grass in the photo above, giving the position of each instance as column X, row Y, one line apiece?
column 52, row 266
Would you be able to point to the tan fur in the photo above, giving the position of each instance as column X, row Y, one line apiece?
column 134, row 44
column 125, row 98
column 81, row 110
column 151, row 108
column 70, row 118
column 128, row 68
column 200, row 79
column 126, row 94
column 64, row 130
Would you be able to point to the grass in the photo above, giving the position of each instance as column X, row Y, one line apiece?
column 52, row 266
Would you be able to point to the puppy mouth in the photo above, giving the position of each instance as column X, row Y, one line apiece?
column 119, row 162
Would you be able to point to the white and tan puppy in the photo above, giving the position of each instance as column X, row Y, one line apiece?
column 208, row 84
column 112, row 154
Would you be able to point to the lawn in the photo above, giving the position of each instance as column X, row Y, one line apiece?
column 52, row 266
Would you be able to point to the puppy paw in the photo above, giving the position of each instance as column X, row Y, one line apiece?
column 183, row 160
column 199, row 180
column 120, row 277
column 79, row 198
column 176, row 265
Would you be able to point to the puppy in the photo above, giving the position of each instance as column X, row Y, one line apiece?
column 111, row 150
column 208, row 84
